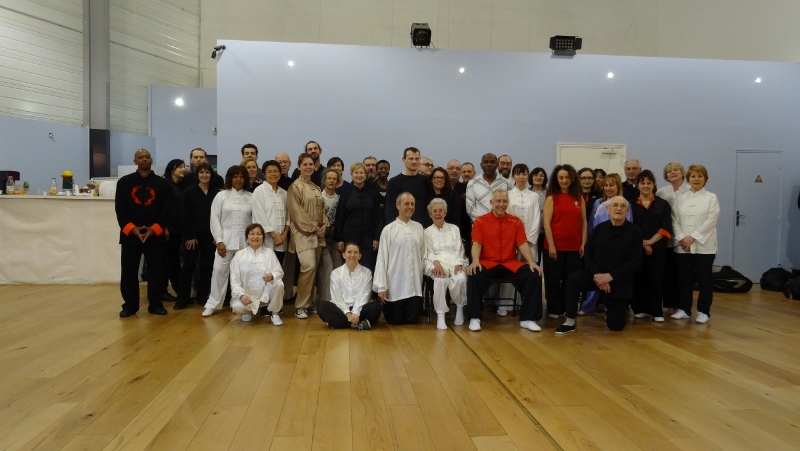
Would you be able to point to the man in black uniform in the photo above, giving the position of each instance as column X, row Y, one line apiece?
column 612, row 255
column 142, row 205
column 409, row 181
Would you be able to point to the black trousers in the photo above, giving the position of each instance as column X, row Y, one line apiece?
column 335, row 317
column 648, row 283
column 203, row 256
column 526, row 282
column 173, row 261
column 367, row 254
column 670, row 284
column 403, row 311
column 555, row 278
column 582, row 281
column 131, row 254
column 693, row 267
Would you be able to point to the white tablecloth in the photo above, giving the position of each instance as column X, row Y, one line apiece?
column 58, row 240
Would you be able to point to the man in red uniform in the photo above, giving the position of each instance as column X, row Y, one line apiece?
column 496, row 237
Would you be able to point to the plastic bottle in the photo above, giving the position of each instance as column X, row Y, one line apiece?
column 53, row 187
column 10, row 185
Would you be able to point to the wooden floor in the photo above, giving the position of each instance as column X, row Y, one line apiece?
column 74, row 376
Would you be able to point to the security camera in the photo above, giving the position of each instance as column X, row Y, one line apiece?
column 219, row 49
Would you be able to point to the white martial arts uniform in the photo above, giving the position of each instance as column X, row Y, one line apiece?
column 349, row 291
column 269, row 210
column 398, row 269
column 231, row 213
column 445, row 246
column 247, row 271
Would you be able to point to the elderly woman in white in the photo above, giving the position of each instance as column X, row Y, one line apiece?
column 445, row 263
column 256, row 278
column 231, row 213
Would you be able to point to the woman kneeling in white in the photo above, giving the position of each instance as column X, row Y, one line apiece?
column 445, row 263
column 351, row 288
column 256, row 277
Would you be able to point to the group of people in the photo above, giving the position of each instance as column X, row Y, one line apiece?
column 356, row 249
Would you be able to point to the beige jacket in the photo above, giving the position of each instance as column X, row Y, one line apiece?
column 306, row 214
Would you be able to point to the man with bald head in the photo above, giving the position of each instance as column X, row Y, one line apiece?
column 398, row 268
column 612, row 255
column 496, row 238
column 142, row 205
column 285, row 163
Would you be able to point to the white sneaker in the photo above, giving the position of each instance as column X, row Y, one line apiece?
column 459, row 316
column 553, row 316
column 680, row 314
column 641, row 315
column 581, row 312
column 701, row 318
column 502, row 312
column 474, row 324
column 440, row 324
column 276, row 319
column 208, row 312
column 246, row 317
column 301, row 313
column 658, row 319
column 530, row 325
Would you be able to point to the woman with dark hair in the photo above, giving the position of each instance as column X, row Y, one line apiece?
column 358, row 217
column 198, row 246
column 256, row 277
column 694, row 221
column 588, row 188
column 253, row 180
column 442, row 190
column 654, row 216
column 231, row 213
column 174, row 173
column 337, row 165
column 524, row 204
column 309, row 225
column 537, row 179
column 565, row 235
column 599, row 178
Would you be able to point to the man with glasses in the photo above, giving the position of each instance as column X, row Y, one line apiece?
column 286, row 164
column 612, row 256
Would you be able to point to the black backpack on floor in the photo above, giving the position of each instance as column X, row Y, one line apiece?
column 775, row 279
column 792, row 290
column 728, row 280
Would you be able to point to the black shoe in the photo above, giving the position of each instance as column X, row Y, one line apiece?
column 126, row 313
column 158, row 311
column 180, row 305
column 169, row 297
column 564, row 329
column 364, row 325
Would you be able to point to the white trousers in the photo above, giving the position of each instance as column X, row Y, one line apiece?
column 219, row 279
column 457, row 284
column 272, row 299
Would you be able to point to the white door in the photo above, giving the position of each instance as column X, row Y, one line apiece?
column 608, row 157
column 757, row 217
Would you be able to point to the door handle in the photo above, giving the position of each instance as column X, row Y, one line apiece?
column 739, row 216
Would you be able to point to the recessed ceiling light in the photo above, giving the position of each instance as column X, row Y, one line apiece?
column 610, row 75
column 758, row 80
column 179, row 101
column 461, row 71
column 290, row 63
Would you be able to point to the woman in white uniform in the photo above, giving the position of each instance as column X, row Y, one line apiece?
column 445, row 263
column 256, row 277
column 351, row 288
column 231, row 213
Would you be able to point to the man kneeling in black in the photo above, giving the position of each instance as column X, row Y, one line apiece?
column 612, row 255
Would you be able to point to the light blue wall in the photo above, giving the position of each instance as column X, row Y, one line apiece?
column 371, row 100
column 125, row 145
column 27, row 148
column 179, row 129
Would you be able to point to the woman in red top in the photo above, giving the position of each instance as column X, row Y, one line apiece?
column 565, row 235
